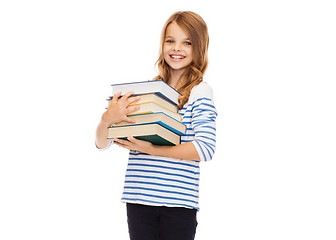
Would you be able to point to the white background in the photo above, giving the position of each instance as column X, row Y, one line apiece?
column 272, row 68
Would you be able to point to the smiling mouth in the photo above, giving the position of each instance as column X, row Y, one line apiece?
column 177, row 57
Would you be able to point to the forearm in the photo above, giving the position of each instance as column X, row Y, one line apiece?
column 185, row 151
column 101, row 135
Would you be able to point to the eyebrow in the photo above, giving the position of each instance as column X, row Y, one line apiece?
column 173, row 37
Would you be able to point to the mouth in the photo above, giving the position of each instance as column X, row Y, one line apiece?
column 176, row 57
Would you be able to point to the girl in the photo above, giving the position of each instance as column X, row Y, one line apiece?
column 162, row 182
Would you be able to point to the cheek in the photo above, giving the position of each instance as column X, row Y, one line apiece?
column 165, row 52
column 165, row 49
column 189, row 52
column 191, row 56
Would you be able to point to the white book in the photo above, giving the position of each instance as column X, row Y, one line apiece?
column 152, row 107
column 158, row 87
column 159, row 118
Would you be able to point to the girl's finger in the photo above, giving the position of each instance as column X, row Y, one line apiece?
column 127, row 119
column 126, row 96
column 123, row 142
column 132, row 139
column 132, row 109
column 115, row 98
column 133, row 99
column 121, row 145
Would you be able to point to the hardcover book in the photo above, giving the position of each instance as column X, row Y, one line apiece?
column 154, row 98
column 152, row 107
column 159, row 118
column 158, row 87
column 152, row 132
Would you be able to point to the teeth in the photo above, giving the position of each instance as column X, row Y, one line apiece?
column 177, row 57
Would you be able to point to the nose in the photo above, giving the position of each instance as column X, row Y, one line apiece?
column 177, row 47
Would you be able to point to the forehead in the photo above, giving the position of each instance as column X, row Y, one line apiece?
column 174, row 30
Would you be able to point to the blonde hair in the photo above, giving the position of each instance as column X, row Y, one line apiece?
column 197, row 31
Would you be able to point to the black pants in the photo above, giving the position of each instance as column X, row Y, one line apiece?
column 161, row 223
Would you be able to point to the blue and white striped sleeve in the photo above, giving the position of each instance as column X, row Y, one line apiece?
column 203, row 123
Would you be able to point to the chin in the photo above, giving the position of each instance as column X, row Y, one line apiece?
column 176, row 66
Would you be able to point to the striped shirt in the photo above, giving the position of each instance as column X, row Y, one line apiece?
column 162, row 181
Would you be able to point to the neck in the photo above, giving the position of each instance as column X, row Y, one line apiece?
column 175, row 78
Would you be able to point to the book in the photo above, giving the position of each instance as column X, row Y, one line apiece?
column 159, row 118
column 153, row 97
column 152, row 107
column 158, row 87
column 152, row 132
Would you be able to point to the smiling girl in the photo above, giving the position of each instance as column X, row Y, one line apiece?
column 162, row 182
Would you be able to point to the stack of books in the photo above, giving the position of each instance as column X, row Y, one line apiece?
column 157, row 120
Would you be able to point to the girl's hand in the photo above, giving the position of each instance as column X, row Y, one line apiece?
column 134, row 144
column 118, row 109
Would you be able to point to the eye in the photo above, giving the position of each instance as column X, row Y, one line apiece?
column 169, row 41
column 187, row 43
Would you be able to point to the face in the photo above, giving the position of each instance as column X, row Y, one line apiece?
column 177, row 48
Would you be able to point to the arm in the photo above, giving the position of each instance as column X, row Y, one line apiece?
column 116, row 112
column 101, row 135
column 185, row 151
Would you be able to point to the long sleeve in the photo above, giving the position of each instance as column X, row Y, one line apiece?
column 203, row 123
column 199, row 115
